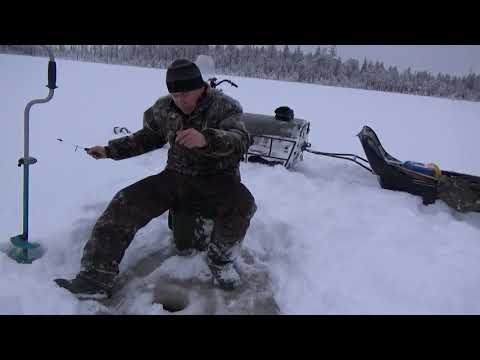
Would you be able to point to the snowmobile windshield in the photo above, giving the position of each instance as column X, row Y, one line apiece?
column 206, row 65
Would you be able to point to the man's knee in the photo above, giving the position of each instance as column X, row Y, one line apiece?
column 252, row 209
column 233, row 221
column 248, row 205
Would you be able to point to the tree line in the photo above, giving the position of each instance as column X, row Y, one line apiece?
column 323, row 66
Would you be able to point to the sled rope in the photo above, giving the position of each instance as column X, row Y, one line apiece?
column 350, row 157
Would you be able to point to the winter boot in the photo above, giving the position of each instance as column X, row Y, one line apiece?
column 89, row 285
column 225, row 275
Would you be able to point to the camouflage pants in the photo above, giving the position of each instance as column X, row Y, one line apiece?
column 136, row 205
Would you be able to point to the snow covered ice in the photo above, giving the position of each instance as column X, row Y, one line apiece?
column 326, row 237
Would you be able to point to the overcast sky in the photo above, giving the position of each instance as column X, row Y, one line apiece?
column 448, row 59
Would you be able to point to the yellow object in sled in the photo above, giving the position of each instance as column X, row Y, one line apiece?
column 436, row 169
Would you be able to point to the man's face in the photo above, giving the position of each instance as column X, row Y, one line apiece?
column 187, row 101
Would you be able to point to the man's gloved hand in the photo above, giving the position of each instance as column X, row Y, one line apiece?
column 190, row 138
column 97, row 152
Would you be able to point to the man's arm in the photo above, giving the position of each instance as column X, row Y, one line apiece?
column 149, row 138
column 231, row 137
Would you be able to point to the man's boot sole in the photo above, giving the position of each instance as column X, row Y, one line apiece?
column 66, row 284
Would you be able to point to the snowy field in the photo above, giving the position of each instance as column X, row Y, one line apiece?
column 327, row 237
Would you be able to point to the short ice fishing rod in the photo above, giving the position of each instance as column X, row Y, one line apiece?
column 74, row 145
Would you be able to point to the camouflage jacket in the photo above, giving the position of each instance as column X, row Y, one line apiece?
column 217, row 116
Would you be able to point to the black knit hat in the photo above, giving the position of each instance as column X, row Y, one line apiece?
column 183, row 75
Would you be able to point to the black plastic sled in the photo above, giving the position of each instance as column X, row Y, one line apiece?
column 410, row 177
